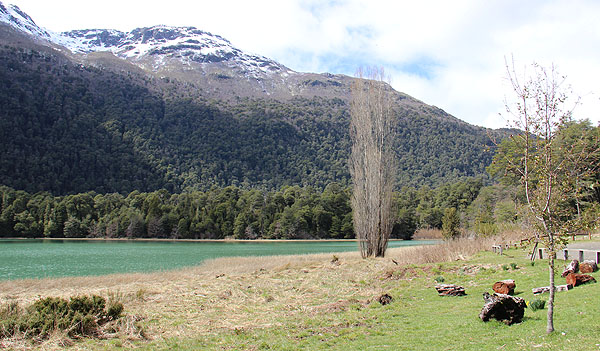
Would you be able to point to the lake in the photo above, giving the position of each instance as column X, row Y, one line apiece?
column 39, row 258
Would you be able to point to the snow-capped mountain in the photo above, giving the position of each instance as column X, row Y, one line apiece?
column 19, row 20
column 154, row 45
column 184, row 53
column 186, row 44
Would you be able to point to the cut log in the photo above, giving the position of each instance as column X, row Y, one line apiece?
column 450, row 290
column 577, row 279
column 588, row 266
column 506, row 287
column 573, row 267
column 505, row 308
column 545, row 289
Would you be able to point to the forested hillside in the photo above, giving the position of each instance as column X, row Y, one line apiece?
column 69, row 128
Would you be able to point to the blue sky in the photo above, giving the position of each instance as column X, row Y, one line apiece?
column 450, row 54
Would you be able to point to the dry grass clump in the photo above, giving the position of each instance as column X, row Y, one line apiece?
column 244, row 293
column 424, row 234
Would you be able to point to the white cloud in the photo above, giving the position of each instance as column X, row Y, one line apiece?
column 445, row 53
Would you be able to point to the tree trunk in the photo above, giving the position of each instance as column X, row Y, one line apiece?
column 550, row 325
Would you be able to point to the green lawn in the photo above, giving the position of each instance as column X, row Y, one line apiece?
column 419, row 319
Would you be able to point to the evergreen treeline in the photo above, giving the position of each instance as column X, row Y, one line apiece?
column 231, row 212
column 68, row 128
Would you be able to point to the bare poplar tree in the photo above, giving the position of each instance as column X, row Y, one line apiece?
column 372, row 161
column 549, row 171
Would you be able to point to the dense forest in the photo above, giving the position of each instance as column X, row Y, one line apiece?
column 231, row 212
column 472, row 206
column 69, row 128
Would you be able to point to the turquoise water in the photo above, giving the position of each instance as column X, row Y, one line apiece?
column 60, row 258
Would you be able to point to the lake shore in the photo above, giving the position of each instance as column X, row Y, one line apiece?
column 35, row 258
column 243, row 293
column 321, row 301
column 200, row 240
column 23, row 290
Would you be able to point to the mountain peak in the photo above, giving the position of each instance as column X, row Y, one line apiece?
column 16, row 18
column 186, row 44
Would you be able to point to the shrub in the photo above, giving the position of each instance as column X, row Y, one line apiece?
column 537, row 304
column 439, row 279
column 79, row 316
column 115, row 310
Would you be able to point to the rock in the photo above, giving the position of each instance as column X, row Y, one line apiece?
column 576, row 279
column 573, row 267
column 450, row 290
column 505, row 308
column 385, row 299
column 588, row 266
column 545, row 289
column 506, row 287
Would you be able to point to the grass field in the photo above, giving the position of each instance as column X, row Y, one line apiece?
column 328, row 301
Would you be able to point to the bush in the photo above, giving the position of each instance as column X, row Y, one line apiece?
column 79, row 316
column 537, row 304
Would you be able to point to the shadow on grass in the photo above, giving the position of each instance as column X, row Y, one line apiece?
column 527, row 318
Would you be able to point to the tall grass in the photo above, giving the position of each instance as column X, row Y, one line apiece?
column 428, row 234
column 243, row 293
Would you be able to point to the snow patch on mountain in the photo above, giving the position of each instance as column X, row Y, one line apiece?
column 92, row 40
column 187, row 44
column 14, row 17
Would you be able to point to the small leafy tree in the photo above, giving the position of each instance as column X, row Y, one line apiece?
column 450, row 224
column 550, row 172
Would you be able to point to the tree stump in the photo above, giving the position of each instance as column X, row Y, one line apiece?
column 450, row 290
column 385, row 299
column 576, row 279
column 588, row 266
column 573, row 267
column 505, row 308
column 506, row 287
